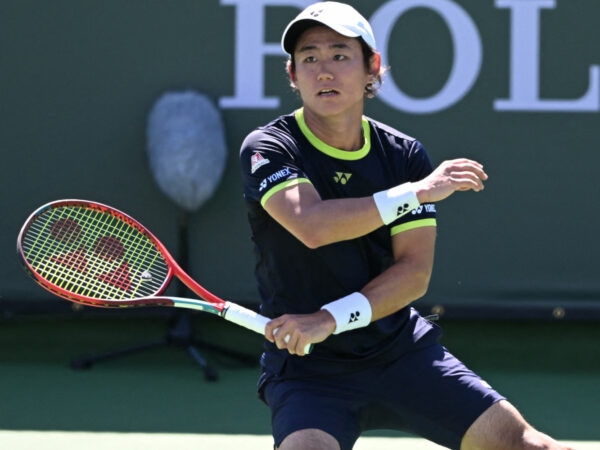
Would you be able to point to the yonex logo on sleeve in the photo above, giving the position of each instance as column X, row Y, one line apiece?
column 428, row 208
column 283, row 173
column 354, row 316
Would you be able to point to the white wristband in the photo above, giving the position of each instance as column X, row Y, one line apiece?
column 395, row 202
column 350, row 312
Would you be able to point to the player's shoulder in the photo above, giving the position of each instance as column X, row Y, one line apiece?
column 281, row 129
column 397, row 142
column 391, row 134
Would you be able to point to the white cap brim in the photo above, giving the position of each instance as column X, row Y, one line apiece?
column 340, row 17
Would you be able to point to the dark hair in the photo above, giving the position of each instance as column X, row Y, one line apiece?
column 373, row 86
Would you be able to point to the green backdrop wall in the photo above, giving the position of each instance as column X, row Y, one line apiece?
column 512, row 83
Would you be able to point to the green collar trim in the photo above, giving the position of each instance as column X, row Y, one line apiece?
column 328, row 149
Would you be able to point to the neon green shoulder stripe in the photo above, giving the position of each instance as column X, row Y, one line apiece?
column 280, row 187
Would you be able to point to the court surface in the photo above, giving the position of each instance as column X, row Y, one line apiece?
column 159, row 399
column 26, row 440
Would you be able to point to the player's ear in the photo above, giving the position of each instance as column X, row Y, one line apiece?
column 375, row 64
column 291, row 72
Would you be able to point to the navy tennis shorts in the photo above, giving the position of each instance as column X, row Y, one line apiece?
column 427, row 392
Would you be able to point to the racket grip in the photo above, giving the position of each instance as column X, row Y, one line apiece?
column 245, row 317
column 250, row 319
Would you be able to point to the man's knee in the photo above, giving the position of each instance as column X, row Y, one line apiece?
column 502, row 427
column 309, row 439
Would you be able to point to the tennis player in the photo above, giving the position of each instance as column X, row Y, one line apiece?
column 342, row 212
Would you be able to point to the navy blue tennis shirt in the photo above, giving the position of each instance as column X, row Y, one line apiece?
column 294, row 279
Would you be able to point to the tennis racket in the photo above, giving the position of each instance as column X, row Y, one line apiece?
column 95, row 255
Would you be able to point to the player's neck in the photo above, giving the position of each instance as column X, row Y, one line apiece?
column 343, row 132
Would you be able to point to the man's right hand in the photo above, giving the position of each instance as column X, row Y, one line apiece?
column 450, row 176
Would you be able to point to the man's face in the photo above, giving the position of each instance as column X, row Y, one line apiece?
column 330, row 72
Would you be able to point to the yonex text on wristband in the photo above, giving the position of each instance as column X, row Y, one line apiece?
column 350, row 312
column 395, row 202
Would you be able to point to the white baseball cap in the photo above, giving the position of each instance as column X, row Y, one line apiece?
column 341, row 18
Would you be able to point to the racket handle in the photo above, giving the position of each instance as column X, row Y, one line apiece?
column 245, row 317
column 249, row 319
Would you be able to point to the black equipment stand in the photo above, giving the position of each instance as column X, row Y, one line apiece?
column 180, row 332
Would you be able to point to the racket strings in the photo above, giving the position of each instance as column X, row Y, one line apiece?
column 94, row 253
column 62, row 259
column 101, row 272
